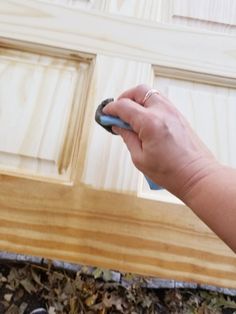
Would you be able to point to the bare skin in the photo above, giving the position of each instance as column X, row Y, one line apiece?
column 165, row 148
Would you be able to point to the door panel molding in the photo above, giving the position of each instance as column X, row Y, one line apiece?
column 42, row 101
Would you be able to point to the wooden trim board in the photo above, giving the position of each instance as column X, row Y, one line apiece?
column 99, row 33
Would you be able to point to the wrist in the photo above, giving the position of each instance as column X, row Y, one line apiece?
column 202, row 172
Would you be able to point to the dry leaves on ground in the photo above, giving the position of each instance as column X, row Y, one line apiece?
column 25, row 287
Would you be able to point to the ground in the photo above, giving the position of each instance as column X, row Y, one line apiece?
column 25, row 286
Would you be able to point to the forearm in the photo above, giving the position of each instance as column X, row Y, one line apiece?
column 213, row 199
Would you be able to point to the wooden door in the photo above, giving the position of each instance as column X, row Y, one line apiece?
column 68, row 190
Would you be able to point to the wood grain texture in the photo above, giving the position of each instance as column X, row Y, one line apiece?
column 111, row 230
column 112, row 167
column 140, row 9
column 76, row 4
column 214, row 15
column 210, row 111
column 30, row 21
column 37, row 102
column 81, row 223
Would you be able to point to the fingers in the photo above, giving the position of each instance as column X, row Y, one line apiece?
column 138, row 94
column 132, row 142
column 127, row 110
column 128, row 106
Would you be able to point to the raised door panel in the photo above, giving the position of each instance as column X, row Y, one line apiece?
column 212, row 15
column 108, row 165
column 41, row 100
column 206, row 101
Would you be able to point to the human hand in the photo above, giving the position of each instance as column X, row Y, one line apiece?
column 162, row 144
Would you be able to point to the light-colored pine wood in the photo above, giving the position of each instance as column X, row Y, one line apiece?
column 89, row 221
column 214, row 15
column 210, row 110
column 111, row 230
column 76, row 4
column 37, row 101
column 140, row 9
column 158, row 44
column 116, row 170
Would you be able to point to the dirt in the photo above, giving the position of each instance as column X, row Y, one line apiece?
column 24, row 287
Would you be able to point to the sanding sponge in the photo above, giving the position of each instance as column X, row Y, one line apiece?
column 107, row 121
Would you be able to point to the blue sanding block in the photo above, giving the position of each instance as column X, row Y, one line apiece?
column 107, row 122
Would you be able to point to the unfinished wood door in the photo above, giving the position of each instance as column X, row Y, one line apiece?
column 68, row 189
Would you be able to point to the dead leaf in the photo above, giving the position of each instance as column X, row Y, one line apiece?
column 91, row 300
column 13, row 309
column 110, row 300
column 8, row 297
column 73, row 305
column 2, row 278
column 51, row 310
column 68, row 288
column 97, row 273
column 28, row 285
column 18, row 294
column 36, row 277
column 65, row 292
column 23, row 307
column 13, row 279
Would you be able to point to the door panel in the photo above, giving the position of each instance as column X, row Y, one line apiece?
column 211, row 110
column 41, row 99
column 213, row 15
column 107, row 153
column 95, row 217
column 208, row 103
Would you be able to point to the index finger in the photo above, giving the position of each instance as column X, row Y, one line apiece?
column 136, row 93
column 128, row 111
